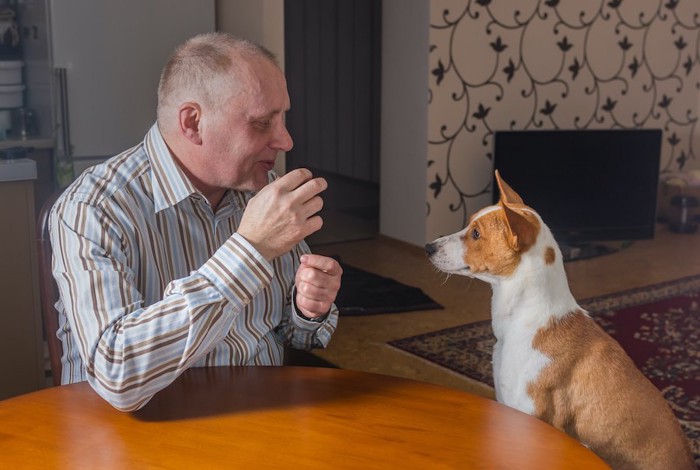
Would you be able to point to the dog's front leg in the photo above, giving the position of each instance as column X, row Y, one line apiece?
column 496, row 364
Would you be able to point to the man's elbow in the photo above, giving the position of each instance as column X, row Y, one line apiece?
column 120, row 399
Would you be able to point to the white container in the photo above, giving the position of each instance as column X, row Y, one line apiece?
column 11, row 72
column 17, row 170
column 11, row 96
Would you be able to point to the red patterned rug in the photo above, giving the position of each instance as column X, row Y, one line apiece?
column 658, row 326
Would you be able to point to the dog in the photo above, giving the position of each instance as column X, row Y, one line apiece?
column 551, row 360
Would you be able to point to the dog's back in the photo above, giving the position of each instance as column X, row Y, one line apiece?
column 551, row 360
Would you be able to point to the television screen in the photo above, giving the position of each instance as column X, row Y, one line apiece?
column 588, row 185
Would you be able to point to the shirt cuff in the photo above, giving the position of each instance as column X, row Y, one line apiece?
column 238, row 270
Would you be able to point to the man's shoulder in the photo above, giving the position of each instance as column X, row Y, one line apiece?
column 117, row 174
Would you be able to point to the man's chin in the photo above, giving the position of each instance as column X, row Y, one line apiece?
column 256, row 184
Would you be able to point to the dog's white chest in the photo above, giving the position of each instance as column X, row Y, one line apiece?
column 516, row 364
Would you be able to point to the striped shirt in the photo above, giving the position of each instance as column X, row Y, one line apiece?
column 153, row 282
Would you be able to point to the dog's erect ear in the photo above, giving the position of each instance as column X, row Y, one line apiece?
column 521, row 232
column 508, row 196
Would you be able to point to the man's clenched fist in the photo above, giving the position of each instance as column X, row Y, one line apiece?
column 318, row 282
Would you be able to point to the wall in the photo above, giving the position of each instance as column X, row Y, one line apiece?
column 549, row 64
column 261, row 21
column 404, row 120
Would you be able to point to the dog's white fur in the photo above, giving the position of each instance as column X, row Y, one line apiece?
column 550, row 359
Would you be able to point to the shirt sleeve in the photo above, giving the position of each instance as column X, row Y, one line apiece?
column 131, row 351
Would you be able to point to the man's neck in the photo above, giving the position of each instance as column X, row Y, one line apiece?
column 215, row 198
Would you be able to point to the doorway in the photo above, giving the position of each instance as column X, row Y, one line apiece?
column 332, row 64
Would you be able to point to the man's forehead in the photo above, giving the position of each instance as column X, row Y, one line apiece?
column 268, row 101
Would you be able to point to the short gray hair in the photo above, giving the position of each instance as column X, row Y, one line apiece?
column 204, row 69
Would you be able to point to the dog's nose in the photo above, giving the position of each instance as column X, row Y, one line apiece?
column 430, row 249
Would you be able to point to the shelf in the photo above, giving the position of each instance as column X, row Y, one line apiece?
column 36, row 143
column 17, row 170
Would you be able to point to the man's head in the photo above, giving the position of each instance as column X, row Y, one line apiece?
column 221, row 105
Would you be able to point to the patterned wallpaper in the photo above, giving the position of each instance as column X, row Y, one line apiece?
column 553, row 64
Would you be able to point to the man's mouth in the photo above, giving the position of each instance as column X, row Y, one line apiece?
column 268, row 164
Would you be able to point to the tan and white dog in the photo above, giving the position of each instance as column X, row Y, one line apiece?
column 551, row 360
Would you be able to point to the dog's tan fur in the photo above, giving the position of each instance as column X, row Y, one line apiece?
column 594, row 392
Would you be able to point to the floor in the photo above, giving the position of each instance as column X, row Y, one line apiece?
column 360, row 342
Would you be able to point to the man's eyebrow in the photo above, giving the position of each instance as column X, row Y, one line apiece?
column 269, row 115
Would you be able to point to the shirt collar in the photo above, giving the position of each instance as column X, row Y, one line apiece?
column 169, row 183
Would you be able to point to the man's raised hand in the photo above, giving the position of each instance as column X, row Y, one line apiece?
column 283, row 213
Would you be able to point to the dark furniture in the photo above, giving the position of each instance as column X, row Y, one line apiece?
column 48, row 289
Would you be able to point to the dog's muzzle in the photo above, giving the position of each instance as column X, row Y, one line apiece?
column 447, row 254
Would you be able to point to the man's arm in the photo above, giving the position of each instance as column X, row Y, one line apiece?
column 132, row 351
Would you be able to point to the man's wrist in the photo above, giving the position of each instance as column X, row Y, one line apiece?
column 258, row 247
column 313, row 319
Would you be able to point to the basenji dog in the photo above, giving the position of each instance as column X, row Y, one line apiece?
column 551, row 359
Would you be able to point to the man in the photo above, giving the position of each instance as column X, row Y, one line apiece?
column 185, row 250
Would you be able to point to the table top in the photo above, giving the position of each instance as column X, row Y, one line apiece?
column 281, row 417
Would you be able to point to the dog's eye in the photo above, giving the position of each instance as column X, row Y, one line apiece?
column 476, row 234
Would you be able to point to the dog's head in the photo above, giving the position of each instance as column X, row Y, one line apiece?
column 496, row 242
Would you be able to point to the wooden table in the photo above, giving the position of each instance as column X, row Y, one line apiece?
column 281, row 417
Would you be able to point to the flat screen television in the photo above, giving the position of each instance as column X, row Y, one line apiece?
column 588, row 185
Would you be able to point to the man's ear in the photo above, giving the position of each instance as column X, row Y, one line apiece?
column 190, row 117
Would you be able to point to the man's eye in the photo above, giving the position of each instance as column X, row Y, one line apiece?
column 264, row 124
column 476, row 234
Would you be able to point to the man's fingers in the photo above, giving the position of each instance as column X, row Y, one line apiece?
column 318, row 282
column 293, row 179
column 310, row 189
column 313, row 206
column 312, row 225
column 316, row 307
column 283, row 213
column 301, row 184
column 322, row 263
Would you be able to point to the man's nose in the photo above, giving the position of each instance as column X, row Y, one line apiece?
column 283, row 140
